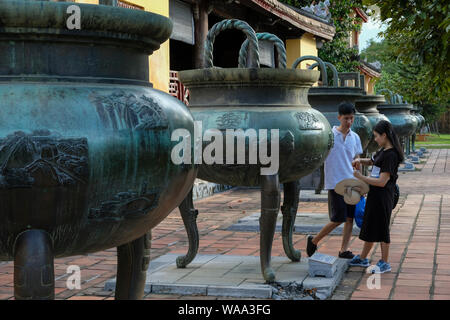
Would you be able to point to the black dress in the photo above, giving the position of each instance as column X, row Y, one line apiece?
column 380, row 200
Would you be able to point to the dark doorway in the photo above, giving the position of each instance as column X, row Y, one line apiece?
column 181, row 56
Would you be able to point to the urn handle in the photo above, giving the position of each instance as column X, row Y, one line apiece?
column 323, row 70
column 232, row 24
column 389, row 92
column 265, row 36
column 333, row 70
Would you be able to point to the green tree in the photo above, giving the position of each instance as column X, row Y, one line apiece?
column 338, row 51
column 409, row 80
column 420, row 31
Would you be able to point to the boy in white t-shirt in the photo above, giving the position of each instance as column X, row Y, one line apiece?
column 338, row 166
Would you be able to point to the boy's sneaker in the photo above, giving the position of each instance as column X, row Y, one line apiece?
column 346, row 255
column 358, row 262
column 381, row 267
column 310, row 246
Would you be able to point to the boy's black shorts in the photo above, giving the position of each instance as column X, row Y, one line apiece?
column 338, row 210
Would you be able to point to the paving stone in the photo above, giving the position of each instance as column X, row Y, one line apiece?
column 311, row 196
column 261, row 292
column 211, row 281
column 209, row 272
column 190, row 289
column 305, row 223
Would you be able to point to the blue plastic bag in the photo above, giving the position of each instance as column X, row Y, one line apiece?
column 359, row 211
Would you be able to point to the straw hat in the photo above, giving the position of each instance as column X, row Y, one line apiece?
column 351, row 189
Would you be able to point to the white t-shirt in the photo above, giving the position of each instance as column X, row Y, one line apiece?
column 338, row 165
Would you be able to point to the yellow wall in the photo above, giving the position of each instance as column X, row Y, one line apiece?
column 371, row 86
column 160, row 60
column 305, row 46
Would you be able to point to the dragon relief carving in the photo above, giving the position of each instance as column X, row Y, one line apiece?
column 120, row 111
column 126, row 205
column 308, row 121
column 42, row 159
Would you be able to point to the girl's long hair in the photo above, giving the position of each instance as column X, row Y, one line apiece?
column 384, row 126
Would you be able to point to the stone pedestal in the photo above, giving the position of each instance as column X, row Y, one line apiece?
column 322, row 265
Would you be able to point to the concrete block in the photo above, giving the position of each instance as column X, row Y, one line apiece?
column 415, row 160
column 408, row 166
column 326, row 286
column 322, row 265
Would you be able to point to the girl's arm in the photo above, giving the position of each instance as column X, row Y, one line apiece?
column 377, row 182
column 364, row 161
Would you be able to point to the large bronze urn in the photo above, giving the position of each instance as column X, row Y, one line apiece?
column 421, row 123
column 85, row 142
column 399, row 114
column 420, row 119
column 253, row 102
column 326, row 98
column 367, row 105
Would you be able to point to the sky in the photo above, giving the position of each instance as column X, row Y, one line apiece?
column 370, row 31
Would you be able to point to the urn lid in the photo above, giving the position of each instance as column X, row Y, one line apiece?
column 395, row 108
column 368, row 103
column 371, row 98
column 248, row 77
column 351, row 92
column 47, row 20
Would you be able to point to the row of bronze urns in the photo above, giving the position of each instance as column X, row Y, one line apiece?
column 250, row 97
column 253, row 98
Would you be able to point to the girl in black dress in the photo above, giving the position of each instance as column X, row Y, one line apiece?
column 380, row 200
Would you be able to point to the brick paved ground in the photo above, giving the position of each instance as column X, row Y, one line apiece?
column 420, row 250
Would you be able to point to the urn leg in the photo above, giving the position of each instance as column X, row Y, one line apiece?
column 133, row 259
column 34, row 276
column 270, row 206
column 413, row 143
column 402, row 142
column 322, row 180
column 407, row 146
column 189, row 215
column 289, row 210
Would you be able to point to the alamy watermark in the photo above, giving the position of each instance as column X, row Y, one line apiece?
column 74, row 20
column 213, row 153
column 374, row 281
column 74, row 280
